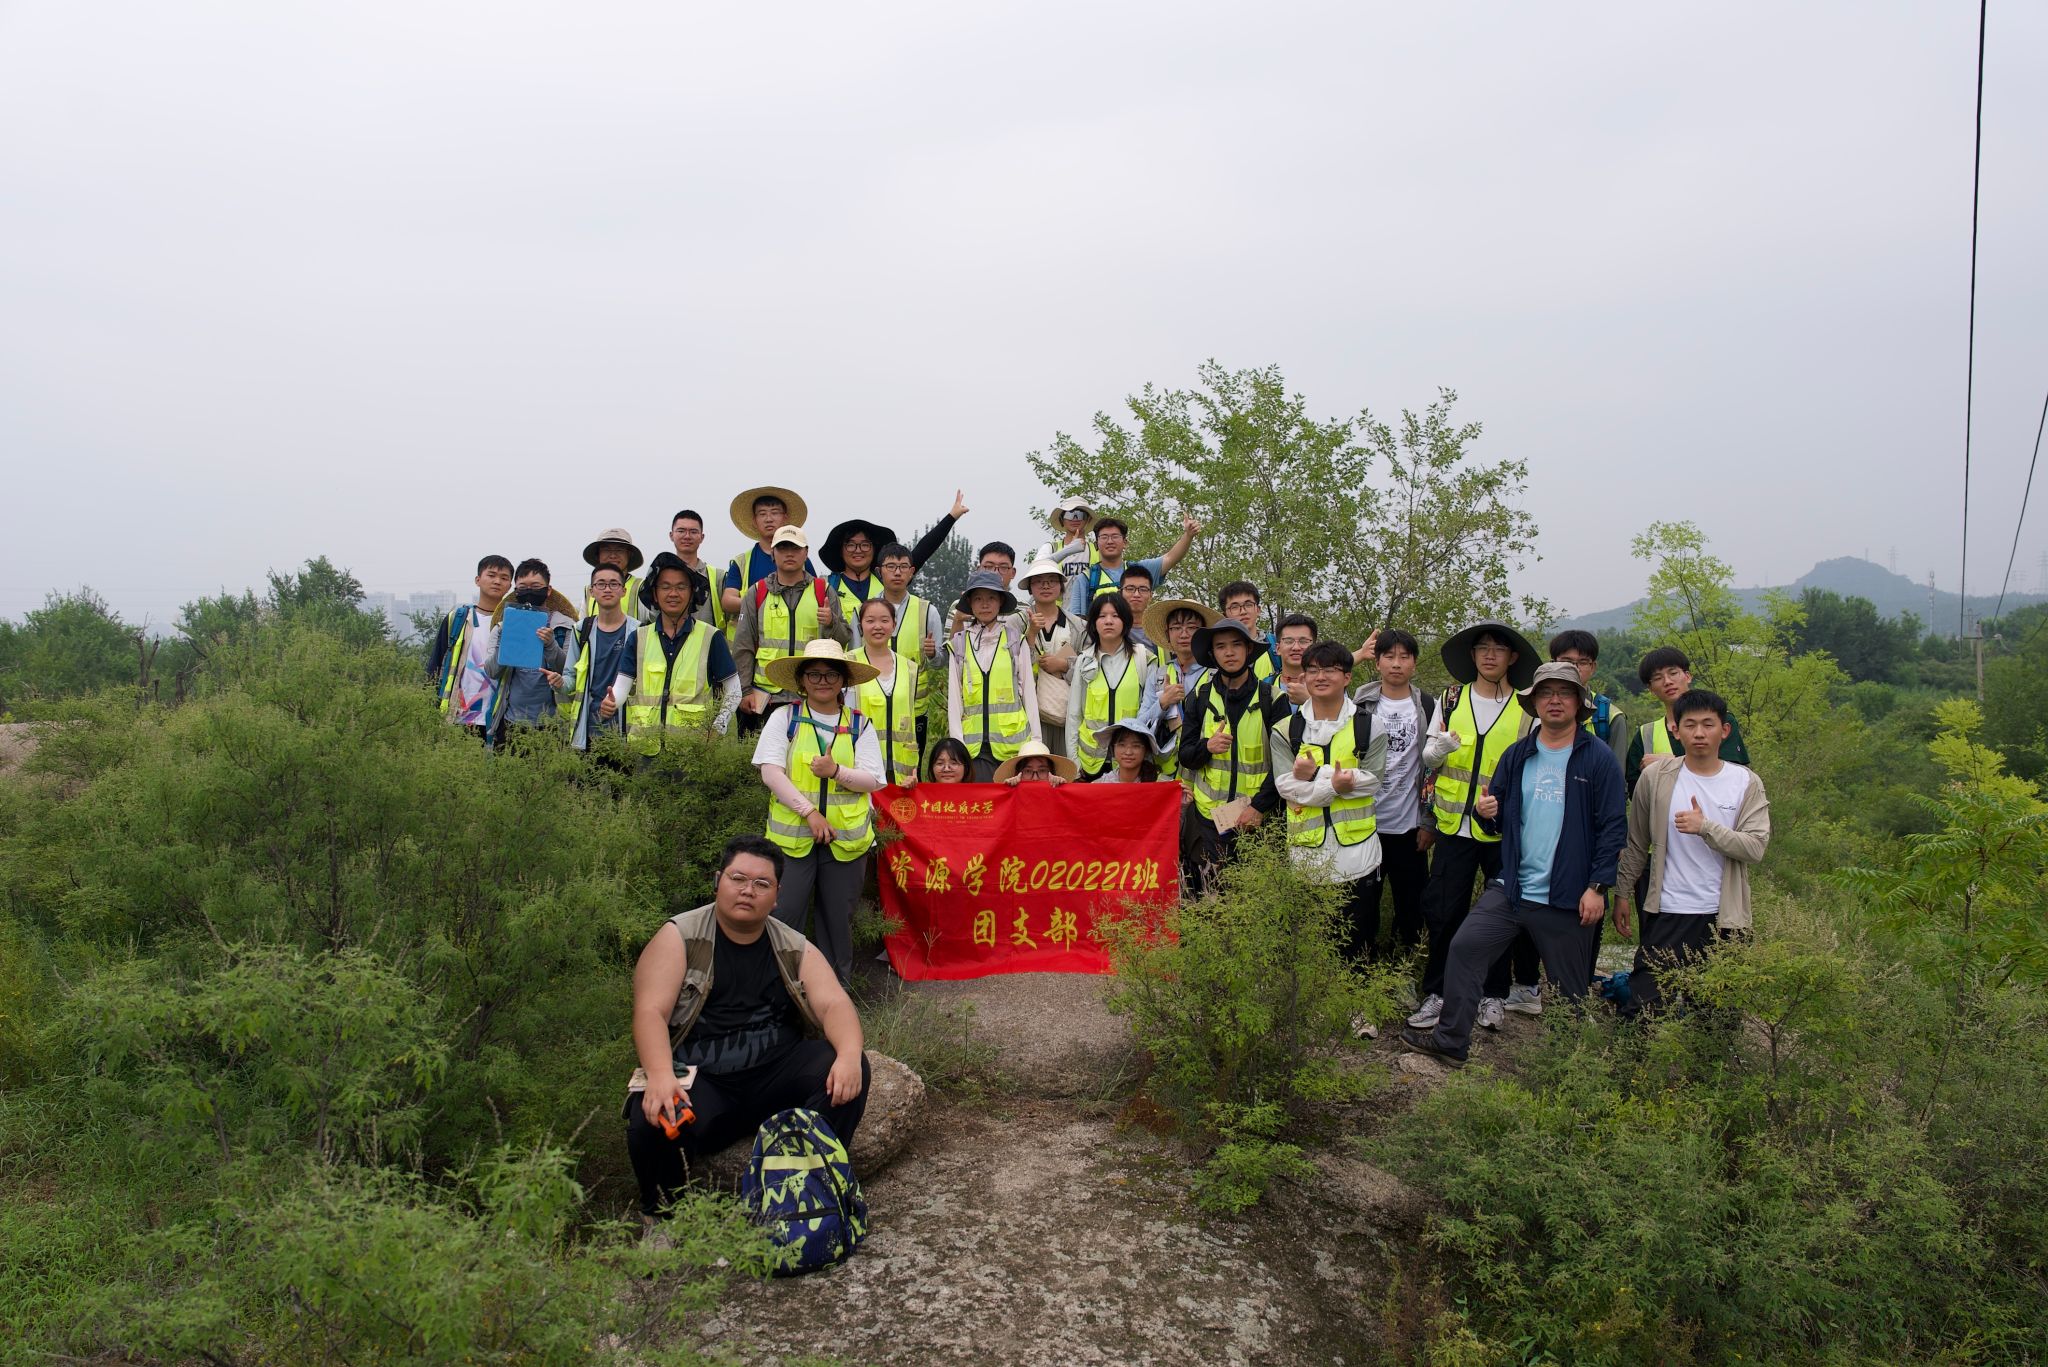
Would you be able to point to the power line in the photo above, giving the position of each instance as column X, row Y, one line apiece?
column 2021, row 521
column 1970, row 370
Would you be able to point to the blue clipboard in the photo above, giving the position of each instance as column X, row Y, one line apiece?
column 518, row 647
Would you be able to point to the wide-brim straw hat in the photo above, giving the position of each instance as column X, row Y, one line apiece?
column 1558, row 671
column 1061, row 765
column 833, row 552
column 615, row 536
column 743, row 508
column 1205, row 641
column 782, row 673
column 1154, row 620
column 1457, row 654
column 987, row 579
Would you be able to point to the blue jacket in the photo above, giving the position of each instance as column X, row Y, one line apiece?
column 1595, row 817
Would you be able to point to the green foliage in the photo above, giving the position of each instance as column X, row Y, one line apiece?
column 2016, row 691
column 941, row 579
column 1866, row 646
column 1245, row 1004
column 1276, row 488
column 936, row 1039
column 73, row 644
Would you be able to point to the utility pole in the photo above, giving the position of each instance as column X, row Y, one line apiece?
column 1977, row 639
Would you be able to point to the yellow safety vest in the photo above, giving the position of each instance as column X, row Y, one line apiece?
column 1657, row 738
column 1169, row 763
column 574, row 707
column 458, row 646
column 1239, row 771
column 848, row 601
column 991, row 706
column 783, row 632
column 1262, row 663
column 1102, row 705
column 1349, row 818
column 1100, row 583
column 665, row 699
column 847, row 812
column 1455, row 788
column 893, row 707
column 909, row 637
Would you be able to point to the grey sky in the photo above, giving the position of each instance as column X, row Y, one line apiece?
column 406, row 283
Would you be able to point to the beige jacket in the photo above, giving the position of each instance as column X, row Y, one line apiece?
column 1649, row 812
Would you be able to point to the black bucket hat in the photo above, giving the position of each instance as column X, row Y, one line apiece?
column 1457, row 654
column 1205, row 640
column 700, row 582
column 833, row 552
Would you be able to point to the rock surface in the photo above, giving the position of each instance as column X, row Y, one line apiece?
column 1045, row 1236
column 895, row 1111
column 17, row 743
column 1053, row 1035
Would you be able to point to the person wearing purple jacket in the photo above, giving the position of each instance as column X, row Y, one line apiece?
column 1557, row 803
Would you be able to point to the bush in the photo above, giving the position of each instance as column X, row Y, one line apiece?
column 1245, row 1005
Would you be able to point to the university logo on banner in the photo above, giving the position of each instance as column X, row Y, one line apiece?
column 993, row 879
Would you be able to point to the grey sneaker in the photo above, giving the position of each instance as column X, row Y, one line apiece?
column 1427, row 1014
column 1524, row 1000
column 1489, row 1013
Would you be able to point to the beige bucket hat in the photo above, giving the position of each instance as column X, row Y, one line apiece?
column 615, row 536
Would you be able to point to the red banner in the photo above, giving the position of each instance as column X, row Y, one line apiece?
column 993, row 879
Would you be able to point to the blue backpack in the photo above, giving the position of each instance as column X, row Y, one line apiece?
column 799, row 1186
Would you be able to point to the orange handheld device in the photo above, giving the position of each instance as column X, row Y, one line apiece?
column 677, row 1113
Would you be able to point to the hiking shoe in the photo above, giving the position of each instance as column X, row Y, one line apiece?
column 1489, row 1013
column 1424, row 1042
column 1364, row 1028
column 1427, row 1014
column 1524, row 1000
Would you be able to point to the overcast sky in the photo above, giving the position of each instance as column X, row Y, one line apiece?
column 406, row 283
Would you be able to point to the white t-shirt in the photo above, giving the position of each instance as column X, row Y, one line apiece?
column 1692, row 868
column 1395, row 811
column 773, row 746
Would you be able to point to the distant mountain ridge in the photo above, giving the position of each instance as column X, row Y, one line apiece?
column 1893, row 594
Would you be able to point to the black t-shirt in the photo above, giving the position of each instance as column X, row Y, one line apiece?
column 749, row 1018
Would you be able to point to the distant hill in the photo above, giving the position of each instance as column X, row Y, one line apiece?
column 1894, row 595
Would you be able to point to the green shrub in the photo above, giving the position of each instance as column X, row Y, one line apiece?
column 1245, row 1005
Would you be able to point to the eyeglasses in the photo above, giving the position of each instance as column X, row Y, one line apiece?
column 821, row 676
column 1326, row 671
column 739, row 882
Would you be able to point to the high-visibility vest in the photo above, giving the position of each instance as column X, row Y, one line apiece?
column 586, row 631
column 991, row 704
column 1239, row 771
column 1657, row 738
column 1456, row 789
column 457, row 630
column 666, row 699
column 909, row 637
column 629, row 600
column 893, row 706
column 783, row 632
column 1102, row 705
column 1262, row 663
column 1101, row 582
column 848, row 600
column 1169, row 673
column 1350, row 817
column 847, row 812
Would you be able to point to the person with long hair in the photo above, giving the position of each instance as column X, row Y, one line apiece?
column 1110, row 680
column 947, row 761
column 890, row 699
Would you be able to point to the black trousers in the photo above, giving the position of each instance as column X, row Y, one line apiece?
column 1456, row 863
column 730, row 1107
column 1360, row 917
column 1665, row 940
column 1482, row 944
column 1203, row 850
column 1405, row 869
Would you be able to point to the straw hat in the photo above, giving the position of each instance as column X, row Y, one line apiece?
column 782, row 673
column 1042, row 565
column 614, row 536
column 1558, row 671
column 1160, row 609
column 1457, row 654
column 743, row 508
column 1061, row 765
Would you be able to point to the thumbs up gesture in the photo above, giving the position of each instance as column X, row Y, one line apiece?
column 1689, row 822
column 1304, row 767
column 1219, row 741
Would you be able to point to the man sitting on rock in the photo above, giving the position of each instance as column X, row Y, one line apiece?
column 754, row 1008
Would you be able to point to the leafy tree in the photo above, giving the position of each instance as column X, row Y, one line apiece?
column 1358, row 522
column 1865, row 645
column 73, row 644
column 2016, row 690
column 941, row 578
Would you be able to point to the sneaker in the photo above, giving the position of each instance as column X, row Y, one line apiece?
column 1427, row 1014
column 1524, row 1000
column 1421, row 1042
column 1489, row 1013
column 1363, row 1028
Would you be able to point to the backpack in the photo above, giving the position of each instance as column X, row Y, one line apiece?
column 1361, row 731
column 761, row 591
column 799, row 1187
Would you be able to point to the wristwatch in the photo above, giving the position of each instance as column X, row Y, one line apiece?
column 1604, row 889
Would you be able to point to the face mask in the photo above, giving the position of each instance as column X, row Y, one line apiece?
column 531, row 598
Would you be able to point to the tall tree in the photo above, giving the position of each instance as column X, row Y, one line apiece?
column 1864, row 644
column 1356, row 521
